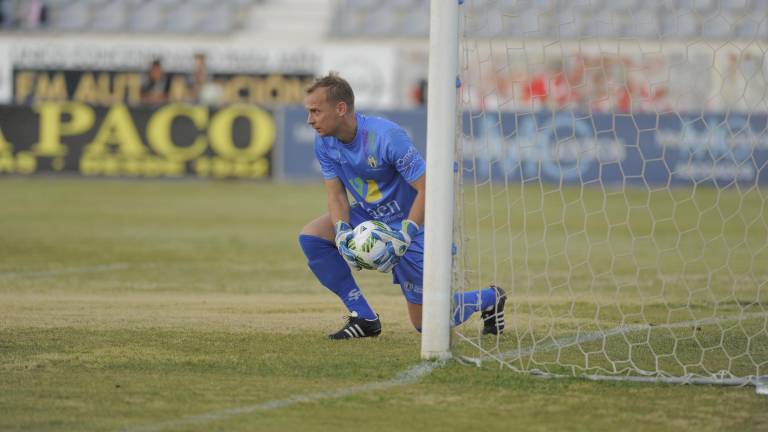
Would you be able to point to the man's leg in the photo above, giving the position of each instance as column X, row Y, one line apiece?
column 489, row 300
column 316, row 240
column 408, row 273
column 414, row 312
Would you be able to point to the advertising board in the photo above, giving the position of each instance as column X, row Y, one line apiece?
column 174, row 140
column 578, row 148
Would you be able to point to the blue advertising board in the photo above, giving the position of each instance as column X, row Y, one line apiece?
column 613, row 149
column 568, row 147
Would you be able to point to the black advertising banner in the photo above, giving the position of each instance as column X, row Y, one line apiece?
column 174, row 140
column 103, row 87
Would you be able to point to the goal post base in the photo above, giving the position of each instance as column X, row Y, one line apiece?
column 436, row 355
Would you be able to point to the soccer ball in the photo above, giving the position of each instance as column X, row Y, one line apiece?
column 365, row 245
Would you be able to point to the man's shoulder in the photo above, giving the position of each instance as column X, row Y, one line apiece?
column 379, row 124
column 326, row 140
column 325, row 145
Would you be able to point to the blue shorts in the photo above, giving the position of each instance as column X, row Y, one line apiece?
column 409, row 272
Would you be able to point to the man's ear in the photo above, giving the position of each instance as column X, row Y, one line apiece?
column 341, row 108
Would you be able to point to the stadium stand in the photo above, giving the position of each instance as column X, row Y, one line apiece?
column 543, row 19
column 210, row 17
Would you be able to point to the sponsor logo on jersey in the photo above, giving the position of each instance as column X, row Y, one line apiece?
column 366, row 189
column 408, row 159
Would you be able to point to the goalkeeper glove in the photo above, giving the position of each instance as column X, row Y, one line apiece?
column 397, row 244
column 343, row 235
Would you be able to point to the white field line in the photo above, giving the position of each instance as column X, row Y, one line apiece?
column 407, row 377
column 65, row 270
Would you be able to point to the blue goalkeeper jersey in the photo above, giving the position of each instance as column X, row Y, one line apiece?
column 376, row 167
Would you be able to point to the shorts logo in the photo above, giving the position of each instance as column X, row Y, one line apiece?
column 371, row 161
column 415, row 288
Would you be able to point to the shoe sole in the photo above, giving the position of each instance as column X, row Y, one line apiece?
column 353, row 332
column 359, row 337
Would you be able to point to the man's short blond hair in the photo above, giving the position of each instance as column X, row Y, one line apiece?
column 339, row 89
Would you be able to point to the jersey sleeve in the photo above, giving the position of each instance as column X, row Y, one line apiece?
column 327, row 166
column 401, row 153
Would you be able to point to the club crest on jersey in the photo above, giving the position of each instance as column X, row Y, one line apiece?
column 370, row 137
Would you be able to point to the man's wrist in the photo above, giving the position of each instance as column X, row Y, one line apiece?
column 410, row 228
column 341, row 226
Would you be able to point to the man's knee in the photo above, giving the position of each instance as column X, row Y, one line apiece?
column 307, row 230
column 320, row 227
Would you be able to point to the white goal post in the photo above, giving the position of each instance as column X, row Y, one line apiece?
column 606, row 163
column 438, row 218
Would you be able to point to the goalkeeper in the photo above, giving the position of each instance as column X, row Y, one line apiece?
column 374, row 160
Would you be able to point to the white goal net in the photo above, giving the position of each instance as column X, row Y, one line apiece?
column 613, row 179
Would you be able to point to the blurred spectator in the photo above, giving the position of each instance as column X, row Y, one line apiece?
column 744, row 82
column 34, row 14
column 199, row 75
column 552, row 88
column 599, row 99
column 204, row 89
column 419, row 93
column 734, row 84
column 154, row 89
column 24, row 14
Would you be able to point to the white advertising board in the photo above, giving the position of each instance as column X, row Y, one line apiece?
column 6, row 75
column 370, row 71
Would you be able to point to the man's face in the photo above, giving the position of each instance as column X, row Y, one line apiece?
column 321, row 115
column 156, row 72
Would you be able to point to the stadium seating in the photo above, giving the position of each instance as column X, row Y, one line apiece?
column 212, row 17
column 543, row 19
column 646, row 19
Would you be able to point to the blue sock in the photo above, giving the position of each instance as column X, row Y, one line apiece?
column 334, row 273
column 465, row 304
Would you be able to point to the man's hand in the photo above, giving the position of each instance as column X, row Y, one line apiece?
column 398, row 243
column 343, row 235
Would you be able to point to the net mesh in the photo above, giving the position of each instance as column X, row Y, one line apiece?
column 611, row 178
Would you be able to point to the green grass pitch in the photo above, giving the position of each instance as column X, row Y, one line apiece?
column 186, row 305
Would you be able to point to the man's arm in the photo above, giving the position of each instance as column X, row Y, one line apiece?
column 338, row 209
column 338, row 203
column 417, row 208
